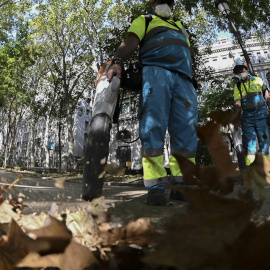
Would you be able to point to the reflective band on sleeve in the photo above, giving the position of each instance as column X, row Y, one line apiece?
column 163, row 42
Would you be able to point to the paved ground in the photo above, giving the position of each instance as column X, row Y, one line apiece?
column 126, row 200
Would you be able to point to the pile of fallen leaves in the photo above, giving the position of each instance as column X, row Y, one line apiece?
column 221, row 229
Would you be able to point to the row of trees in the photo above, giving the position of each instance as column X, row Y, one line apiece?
column 50, row 51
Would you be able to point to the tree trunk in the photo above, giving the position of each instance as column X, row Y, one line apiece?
column 46, row 142
column 6, row 156
column 60, row 146
column 70, row 125
column 32, row 145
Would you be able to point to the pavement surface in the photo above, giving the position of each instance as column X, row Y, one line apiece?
column 126, row 200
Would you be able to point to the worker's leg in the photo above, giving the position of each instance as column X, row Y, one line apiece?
column 249, row 138
column 153, row 116
column 263, row 136
column 182, row 122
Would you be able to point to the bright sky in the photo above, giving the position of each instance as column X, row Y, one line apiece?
column 225, row 34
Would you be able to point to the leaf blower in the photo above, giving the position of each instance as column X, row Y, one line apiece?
column 97, row 149
column 236, row 134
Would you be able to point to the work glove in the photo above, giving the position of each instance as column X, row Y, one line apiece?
column 116, row 69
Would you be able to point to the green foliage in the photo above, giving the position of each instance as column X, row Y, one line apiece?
column 61, row 30
column 218, row 98
column 15, row 57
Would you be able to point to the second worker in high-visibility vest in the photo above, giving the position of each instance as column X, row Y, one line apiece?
column 168, row 99
column 248, row 96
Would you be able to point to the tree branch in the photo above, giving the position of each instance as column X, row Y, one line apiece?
column 5, row 3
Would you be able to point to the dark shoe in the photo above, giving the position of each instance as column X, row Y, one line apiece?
column 177, row 195
column 156, row 196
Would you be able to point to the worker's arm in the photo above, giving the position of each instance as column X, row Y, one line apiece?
column 237, row 106
column 125, row 50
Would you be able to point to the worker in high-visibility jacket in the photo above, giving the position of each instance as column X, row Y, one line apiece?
column 168, row 99
column 248, row 96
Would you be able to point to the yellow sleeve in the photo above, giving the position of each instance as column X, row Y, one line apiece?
column 260, row 82
column 236, row 93
column 138, row 27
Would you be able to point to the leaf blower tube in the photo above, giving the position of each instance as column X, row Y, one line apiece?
column 97, row 149
column 238, row 146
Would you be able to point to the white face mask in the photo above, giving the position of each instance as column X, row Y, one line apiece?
column 244, row 75
column 163, row 10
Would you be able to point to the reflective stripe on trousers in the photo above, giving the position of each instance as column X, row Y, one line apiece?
column 155, row 173
column 250, row 158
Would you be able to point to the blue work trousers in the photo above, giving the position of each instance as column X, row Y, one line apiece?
column 168, row 100
column 254, row 123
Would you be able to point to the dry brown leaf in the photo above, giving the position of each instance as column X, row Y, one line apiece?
column 257, row 175
column 199, row 238
column 203, row 176
column 251, row 250
column 226, row 117
column 75, row 257
column 34, row 260
column 4, row 227
column 60, row 182
column 115, row 169
column 211, row 136
column 108, row 235
column 31, row 222
column 17, row 204
column 140, row 232
column 4, row 179
column 136, row 232
column 99, row 210
column 7, row 213
column 14, row 248
column 52, row 228
column 83, row 227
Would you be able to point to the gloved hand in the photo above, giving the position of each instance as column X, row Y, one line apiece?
column 116, row 69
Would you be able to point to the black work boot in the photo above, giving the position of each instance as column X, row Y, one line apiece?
column 156, row 196
column 177, row 195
